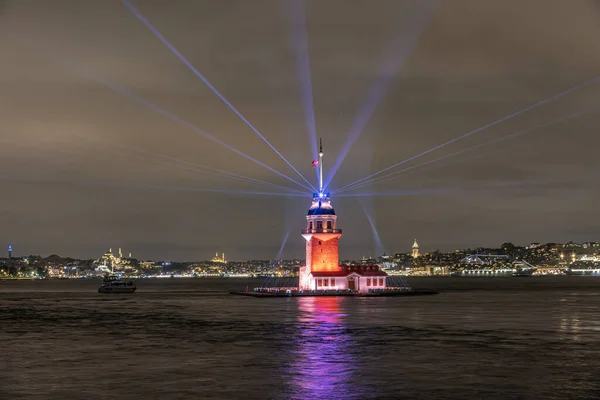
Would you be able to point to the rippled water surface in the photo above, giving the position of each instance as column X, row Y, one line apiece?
column 499, row 338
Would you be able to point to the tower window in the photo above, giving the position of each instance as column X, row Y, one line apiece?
column 310, row 226
column 319, row 242
column 319, row 224
column 328, row 224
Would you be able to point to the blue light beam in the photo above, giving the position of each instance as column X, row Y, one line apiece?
column 394, row 59
column 498, row 121
column 392, row 175
column 297, row 16
column 215, row 172
column 457, row 189
column 404, row 192
column 204, row 168
column 284, row 241
column 379, row 248
column 69, row 64
column 145, row 187
column 157, row 33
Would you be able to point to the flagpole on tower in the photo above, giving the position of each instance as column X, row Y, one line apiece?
column 320, row 166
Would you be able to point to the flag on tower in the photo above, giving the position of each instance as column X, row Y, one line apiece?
column 315, row 163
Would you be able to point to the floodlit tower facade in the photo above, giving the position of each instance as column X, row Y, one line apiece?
column 322, row 238
column 322, row 270
column 415, row 249
column 321, row 233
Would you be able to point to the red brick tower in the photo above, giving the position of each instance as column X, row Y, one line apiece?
column 321, row 234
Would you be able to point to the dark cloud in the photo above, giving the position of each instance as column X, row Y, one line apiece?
column 477, row 61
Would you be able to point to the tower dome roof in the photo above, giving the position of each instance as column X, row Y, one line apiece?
column 321, row 205
column 321, row 211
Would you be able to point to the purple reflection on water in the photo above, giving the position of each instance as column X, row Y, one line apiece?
column 324, row 355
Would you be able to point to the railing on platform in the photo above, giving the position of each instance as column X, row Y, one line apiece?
column 391, row 289
column 320, row 230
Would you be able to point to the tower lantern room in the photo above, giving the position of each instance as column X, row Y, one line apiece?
column 321, row 216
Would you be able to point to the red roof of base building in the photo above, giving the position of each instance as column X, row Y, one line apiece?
column 363, row 270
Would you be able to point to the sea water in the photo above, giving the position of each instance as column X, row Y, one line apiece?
column 480, row 338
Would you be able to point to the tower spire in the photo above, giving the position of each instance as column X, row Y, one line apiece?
column 415, row 249
column 320, row 166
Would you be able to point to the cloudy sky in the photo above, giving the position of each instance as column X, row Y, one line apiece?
column 103, row 129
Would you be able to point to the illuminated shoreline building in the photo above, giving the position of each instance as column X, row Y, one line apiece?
column 415, row 249
column 217, row 259
column 109, row 261
column 322, row 270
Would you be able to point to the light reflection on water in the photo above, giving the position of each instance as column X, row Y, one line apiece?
column 493, row 339
column 323, row 358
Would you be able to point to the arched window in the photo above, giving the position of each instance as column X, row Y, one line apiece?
column 319, row 224
column 310, row 225
column 328, row 224
column 319, row 242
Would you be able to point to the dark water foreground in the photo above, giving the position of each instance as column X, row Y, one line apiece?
column 496, row 338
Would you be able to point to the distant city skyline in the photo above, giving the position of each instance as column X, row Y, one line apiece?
column 164, row 133
column 219, row 257
column 507, row 260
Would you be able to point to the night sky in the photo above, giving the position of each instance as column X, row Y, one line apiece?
column 85, row 167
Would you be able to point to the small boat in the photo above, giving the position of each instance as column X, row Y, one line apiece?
column 523, row 273
column 114, row 284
